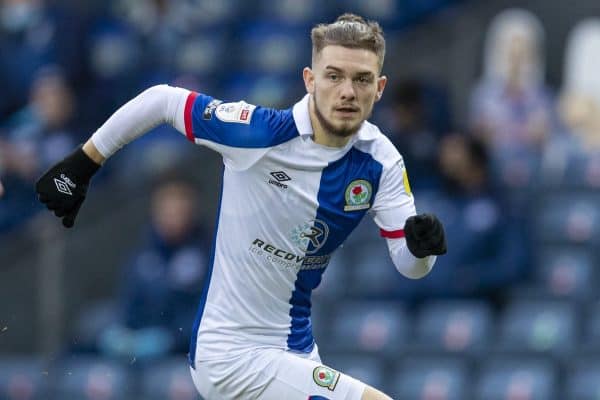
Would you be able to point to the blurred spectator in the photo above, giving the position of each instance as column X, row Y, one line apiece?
column 414, row 122
column 34, row 138
column 511, row 105
column 573, row 155
column 32, row 34
column 161, row 285
column 485, row 247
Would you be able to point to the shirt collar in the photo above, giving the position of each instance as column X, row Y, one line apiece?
column 301, row 116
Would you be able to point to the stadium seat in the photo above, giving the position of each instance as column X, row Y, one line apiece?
column 523, row 379
column 571, row 170
column 572, row 218
column 372, row 272
column 390, row 14
column 583, row 380
column 517, row 169
column 334, row 283
column 268, row 90
column 439, row 378
column 566, row 272
column 584, row 172
column 591, row 329
column 90, row 378
column 113, row 51
column 202, row 54
column 455, row 325
column 369, row 326
column 270, row 48
column 368, row 369
column 538, row 326
column 168, row 380
column 214, row 14
column 23, row 378
column 321, row 316
column 293, row 12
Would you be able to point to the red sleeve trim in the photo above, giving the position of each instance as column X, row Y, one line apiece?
column 187, row 115
column 392, row 234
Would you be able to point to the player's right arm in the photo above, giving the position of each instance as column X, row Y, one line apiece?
column 241, row 132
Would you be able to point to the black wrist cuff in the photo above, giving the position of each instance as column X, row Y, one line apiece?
column 83, row 165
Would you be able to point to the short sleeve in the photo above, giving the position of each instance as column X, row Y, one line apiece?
column 240, row 131
column 394, row 201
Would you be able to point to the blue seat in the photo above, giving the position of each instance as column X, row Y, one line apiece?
column 168, row 380
column 591, row 328
column 334, row 283
column 321, row 318
column 272, row 48
column 113, row 52
column 202, row 54
column 268, row 90
column 572, row 218
column 517, row 169
column 568, row 168
column 455, row 325
column 90, row 378
column 538, row 326
column 583, row 380
column 390, row 14
column 293, row 12
column 566, row 272
column 23, row 378
column 426, row 377
column 514, row 378
column 369, row 326
column 214, row 14
column 368, row 369
column 372, row 272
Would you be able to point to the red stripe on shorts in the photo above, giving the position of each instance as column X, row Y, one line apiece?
column 187, row 115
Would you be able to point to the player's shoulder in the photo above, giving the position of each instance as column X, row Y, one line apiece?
column 249, row 125
column 378, row 145
column 243, row 112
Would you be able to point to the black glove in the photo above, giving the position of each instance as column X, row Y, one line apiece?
column 425, row 236
column 63, row 187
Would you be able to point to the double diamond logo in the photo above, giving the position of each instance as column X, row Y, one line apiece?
column 62, row 185
column 280, row 176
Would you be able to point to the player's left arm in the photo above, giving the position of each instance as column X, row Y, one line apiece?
column 413, row 240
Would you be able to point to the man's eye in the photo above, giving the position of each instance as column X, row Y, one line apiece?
column 364, row 79
column 334, row 77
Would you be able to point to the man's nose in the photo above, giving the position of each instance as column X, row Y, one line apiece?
column 347, row 90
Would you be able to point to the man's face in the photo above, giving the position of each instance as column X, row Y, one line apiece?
column 344, row 84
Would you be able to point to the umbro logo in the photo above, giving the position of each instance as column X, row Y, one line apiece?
column 62, row 185
column 279, row 176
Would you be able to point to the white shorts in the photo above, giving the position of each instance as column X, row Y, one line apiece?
column 274, row 374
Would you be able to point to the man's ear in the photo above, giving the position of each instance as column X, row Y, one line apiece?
column 309, row 80
column 381, row 82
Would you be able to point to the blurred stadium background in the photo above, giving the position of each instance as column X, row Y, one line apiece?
column 494, row 104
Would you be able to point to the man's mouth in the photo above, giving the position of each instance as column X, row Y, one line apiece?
column 347, row 110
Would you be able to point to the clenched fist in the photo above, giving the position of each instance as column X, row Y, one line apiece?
column 64, row 186
column 424, row 235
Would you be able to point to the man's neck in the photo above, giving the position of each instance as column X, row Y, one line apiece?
column 320, row 135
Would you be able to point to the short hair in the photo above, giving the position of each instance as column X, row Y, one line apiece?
column 352, row 31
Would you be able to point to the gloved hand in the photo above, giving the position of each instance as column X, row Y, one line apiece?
column 424, row 235
column 64, row 186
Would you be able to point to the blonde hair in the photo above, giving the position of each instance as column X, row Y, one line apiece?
column 352, row 31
